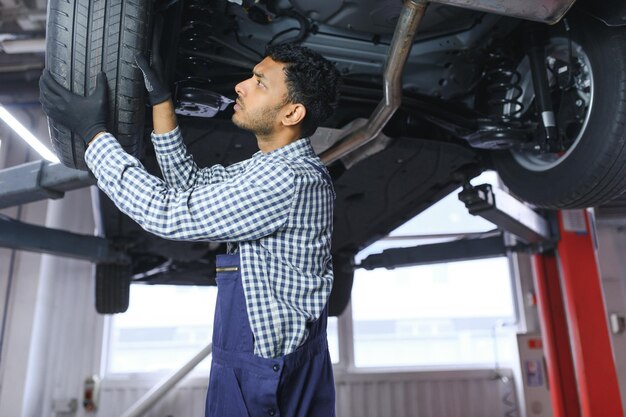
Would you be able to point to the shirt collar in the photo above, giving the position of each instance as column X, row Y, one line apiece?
column 299, row 148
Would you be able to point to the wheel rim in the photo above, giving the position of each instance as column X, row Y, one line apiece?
column 558, row 48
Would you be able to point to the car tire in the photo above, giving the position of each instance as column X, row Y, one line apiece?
column 112, row 288
column 85, row 37
column 593, row 170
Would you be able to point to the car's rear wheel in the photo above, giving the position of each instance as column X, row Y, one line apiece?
column 590, row 112
column 85, row 37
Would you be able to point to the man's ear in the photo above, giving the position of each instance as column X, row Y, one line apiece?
column 294, row 114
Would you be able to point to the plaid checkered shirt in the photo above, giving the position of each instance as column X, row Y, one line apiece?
column 277, row 206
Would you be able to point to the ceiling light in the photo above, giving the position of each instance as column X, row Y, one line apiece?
column 27, row 136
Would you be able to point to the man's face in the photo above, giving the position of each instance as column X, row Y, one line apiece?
column 261, row 98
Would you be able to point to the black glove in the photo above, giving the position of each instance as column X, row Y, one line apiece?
column 86, row 116
column 157, row 91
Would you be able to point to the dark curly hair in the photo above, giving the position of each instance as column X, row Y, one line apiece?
column 312, row 80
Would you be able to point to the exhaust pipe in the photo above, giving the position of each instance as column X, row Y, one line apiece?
column 409, row 20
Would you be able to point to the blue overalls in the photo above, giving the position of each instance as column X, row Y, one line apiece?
column 241, row 384
column 299, row 384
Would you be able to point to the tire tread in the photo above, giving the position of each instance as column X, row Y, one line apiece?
column 84, row 38
column 112, row 288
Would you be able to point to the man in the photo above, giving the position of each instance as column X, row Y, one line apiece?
column 270, row 355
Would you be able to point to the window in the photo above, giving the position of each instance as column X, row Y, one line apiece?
column 441, row 315
column 438, row 315
column 164, row 327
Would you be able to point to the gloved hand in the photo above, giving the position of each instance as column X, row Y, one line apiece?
column 86, row 116
column 157, row 90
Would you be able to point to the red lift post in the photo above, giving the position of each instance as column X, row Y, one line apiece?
column 574, row 325
column 557, row 348
column 581, row 368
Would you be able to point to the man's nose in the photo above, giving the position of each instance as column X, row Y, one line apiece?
column 239, row 89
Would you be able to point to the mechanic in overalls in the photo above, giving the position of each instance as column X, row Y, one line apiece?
column 270, row 354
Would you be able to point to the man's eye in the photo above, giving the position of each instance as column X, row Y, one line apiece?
column 259, row 83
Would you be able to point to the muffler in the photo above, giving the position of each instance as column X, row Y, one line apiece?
column 546, row 11
column 409, row 20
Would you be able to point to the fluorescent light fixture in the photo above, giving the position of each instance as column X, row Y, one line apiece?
column 27, row 136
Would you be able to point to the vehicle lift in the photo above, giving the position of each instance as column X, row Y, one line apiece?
column 579, row 360
column 581, row 373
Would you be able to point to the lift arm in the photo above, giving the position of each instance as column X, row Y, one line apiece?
column 39, row 180
column 506, row 212
column 460, row 250
column 509, row 214
column 22, row 236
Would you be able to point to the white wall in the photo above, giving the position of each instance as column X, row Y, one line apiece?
column 51, row 330
column 19, row 280
column 19, row 283
column 470, row 393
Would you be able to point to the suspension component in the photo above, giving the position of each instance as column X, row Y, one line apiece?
column 501, row 103
column 543, row 101
column 503, row 88
column 200, row 84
